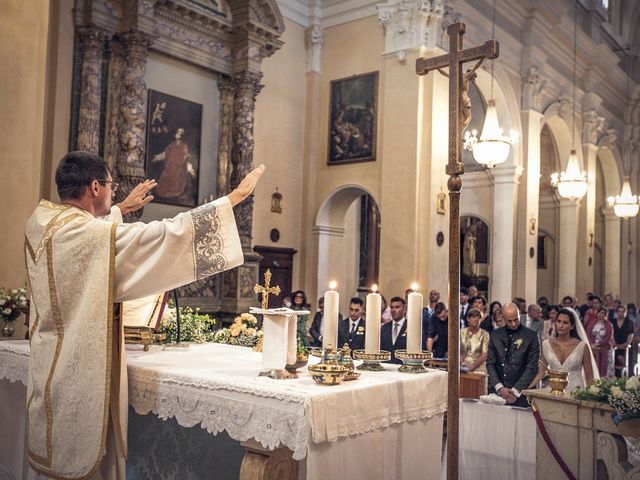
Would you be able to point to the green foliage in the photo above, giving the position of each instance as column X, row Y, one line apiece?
column 194, row 327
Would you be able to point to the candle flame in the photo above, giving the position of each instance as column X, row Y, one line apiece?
column 374, row 288
column 333, row 285
column 414, row 286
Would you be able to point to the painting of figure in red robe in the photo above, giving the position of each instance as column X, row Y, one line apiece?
column 173, row 148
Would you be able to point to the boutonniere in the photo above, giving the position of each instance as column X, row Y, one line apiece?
column 360, row 330
column 404, row 334
column 518, row 343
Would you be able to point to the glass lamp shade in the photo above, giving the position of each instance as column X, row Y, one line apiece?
column 572, row 183
column 492, row 148
column 626, row 204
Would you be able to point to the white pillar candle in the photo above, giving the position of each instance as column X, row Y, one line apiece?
column 291, row 325
column 372, row 330
column 330, row 318
column 414, row 321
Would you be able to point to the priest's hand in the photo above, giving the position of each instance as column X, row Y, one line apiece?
column 246, row 186
column 138, row 197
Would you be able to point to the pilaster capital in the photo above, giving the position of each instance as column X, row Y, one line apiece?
column 592, row 125
column 506, row 174
column 411, row 24
column 565, row 203
column 313, row 40
column 533, row 85
column 91, row 38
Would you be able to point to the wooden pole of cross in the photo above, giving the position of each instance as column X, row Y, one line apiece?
column 459, row 118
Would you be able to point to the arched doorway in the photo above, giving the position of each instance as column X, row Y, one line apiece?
column 347, row 230
column 549, row 218
column 474, row 253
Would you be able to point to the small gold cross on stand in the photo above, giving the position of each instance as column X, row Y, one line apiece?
column 266, row 290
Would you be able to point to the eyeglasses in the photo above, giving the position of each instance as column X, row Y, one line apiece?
column 114, row 185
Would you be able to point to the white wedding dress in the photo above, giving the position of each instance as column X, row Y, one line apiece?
column 572, row 364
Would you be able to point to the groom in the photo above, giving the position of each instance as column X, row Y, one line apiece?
column 514, row 352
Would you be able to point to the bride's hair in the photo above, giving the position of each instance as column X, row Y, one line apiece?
column 572, row 318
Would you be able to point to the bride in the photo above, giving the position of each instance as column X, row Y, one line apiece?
column 568, row 351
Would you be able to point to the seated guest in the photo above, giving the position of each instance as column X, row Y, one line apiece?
column 300, row 303
column 465, row 306
column 351, row 329
column 438, row 331
column 534, row 319
column 474, row 343
column 316, row 326
column 385, row 315
column 513, row 357
column 497, row 320
column 549, row 325
column 393, row 335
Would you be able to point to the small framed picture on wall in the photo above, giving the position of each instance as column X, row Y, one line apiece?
column 352, row 119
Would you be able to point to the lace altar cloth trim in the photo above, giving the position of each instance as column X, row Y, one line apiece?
column 14, row 361
column 217, row 386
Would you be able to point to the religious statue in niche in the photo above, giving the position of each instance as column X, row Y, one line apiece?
column 474, row 251
column 469, row 252
column 352, row 129
column 276, row 201
column 173, row 148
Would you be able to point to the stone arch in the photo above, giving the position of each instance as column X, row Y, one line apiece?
column 608, row 156
column 338, row 250
column 507, row 105
column 561, row 133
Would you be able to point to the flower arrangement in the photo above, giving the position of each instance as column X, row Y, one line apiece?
column 242, row 332
column 620, row 393
column 12, row 302
column 194, row 326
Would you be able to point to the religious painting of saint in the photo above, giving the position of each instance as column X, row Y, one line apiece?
column 173, row 148
column 352, row 119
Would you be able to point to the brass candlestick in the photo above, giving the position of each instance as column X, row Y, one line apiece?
column 413, row 362
column 371, row 361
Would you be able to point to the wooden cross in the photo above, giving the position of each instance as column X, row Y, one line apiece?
column 459, row 104
column 266, row 290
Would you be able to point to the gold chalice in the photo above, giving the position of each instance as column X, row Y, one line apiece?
column 558, row 381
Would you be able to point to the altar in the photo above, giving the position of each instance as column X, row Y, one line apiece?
column 383, row 425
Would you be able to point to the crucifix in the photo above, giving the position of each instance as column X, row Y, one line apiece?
column 266, row 290
column 459, row 118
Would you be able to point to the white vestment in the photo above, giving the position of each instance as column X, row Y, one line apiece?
column 79, row 267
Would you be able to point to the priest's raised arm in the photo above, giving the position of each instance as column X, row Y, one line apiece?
column 81, row 262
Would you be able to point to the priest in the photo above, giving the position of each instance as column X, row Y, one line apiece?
column 82, row 261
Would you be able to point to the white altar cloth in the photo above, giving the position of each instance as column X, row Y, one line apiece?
column 384, row 425
column 496, row 442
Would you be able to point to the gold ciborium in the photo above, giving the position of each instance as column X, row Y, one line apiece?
column 558, row 381
column 328, row 374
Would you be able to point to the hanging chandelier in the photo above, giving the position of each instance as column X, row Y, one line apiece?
column 572, row 183
column 626, row 204
column 492, row 148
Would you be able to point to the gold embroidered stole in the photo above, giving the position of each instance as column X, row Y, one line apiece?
column 70, row 257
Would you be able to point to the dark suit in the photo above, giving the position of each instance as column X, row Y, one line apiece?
column 513, row 359
column 386, row 339
column 314, row 330
column 355, row 339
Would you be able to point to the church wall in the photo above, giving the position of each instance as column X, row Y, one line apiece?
column 59, row 89
column 170, row 76
column 23, row 49
column 279, row 144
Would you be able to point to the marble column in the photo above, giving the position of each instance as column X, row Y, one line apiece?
column 112, row 115
column 227, row 94
column 529, row 194
column 505, row 191
column 131, row 127
column 587, row 225
column 92, row 44
column 567, row 247
column 612, row 253
column 237, row 284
